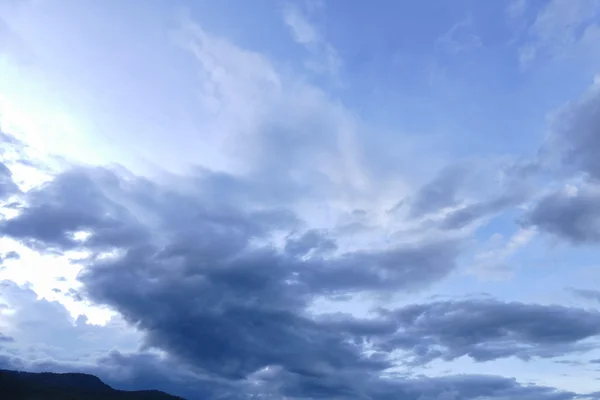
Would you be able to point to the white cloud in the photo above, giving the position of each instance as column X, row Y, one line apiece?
column 460, row 38
column 46, row 331
column 493, row 263
column 273, row 123
column 517, row 8
column 324, row 56
column 303, row 31
column 563, row 28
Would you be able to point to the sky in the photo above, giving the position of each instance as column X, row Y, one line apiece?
column 311, row 199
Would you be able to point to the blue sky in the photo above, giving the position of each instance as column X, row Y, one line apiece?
column 303, row 199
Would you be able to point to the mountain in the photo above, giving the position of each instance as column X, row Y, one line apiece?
column 16, row 385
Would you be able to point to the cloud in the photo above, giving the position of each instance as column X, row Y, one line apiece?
column 203, row 281
column 575, row 134
column 571, row 216
column 51, row 340
column 134, row 370
column 271, row 123
column 130, row 371
column 517, row 8
column 7, row 186
column 473, row 212
column 6, row 139
column 309, row 372
column 305, row 33
column 587, row 294
column 57, row 210
column 195, row 242
column 465, row 193
column 14, row 46
column 197, row 270
column 311, row 241
column 460, row 38
column 216, row 272
column 571, row 149
column 44, row 331
column 6, row 339
column 488, row 329
column 204, row 288
column 493, row 264
column 115, row 213
column 219, row 273
column 441, row 192
column 471, row 387
column 11, row 255
column 561, row 28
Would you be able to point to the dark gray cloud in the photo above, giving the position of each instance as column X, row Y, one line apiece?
column 513, row 187
column 309, row 377
column 571, row 363
column 144, row 218
column 7, row 186
column 197, row 274
column 475, row 191
column 132, row 371
column 445, row 388
column 11, row 255
column 442, row 191
column 575, row 143
column 309, row 242
column 576, row 134
column 9, row 143
column 488, row 329
column 464, row 216
column 467, row 387
column 6, row 339
column 571, row 216
column 6, row 139
column 72, row 203
column 192, row 267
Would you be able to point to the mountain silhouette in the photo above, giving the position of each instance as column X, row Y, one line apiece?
column 16, row 385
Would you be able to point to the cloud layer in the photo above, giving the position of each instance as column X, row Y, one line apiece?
column 227, row 289
column 284, row 244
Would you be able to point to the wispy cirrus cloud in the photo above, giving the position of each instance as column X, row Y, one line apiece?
column 324, row 57
column 461, row 37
